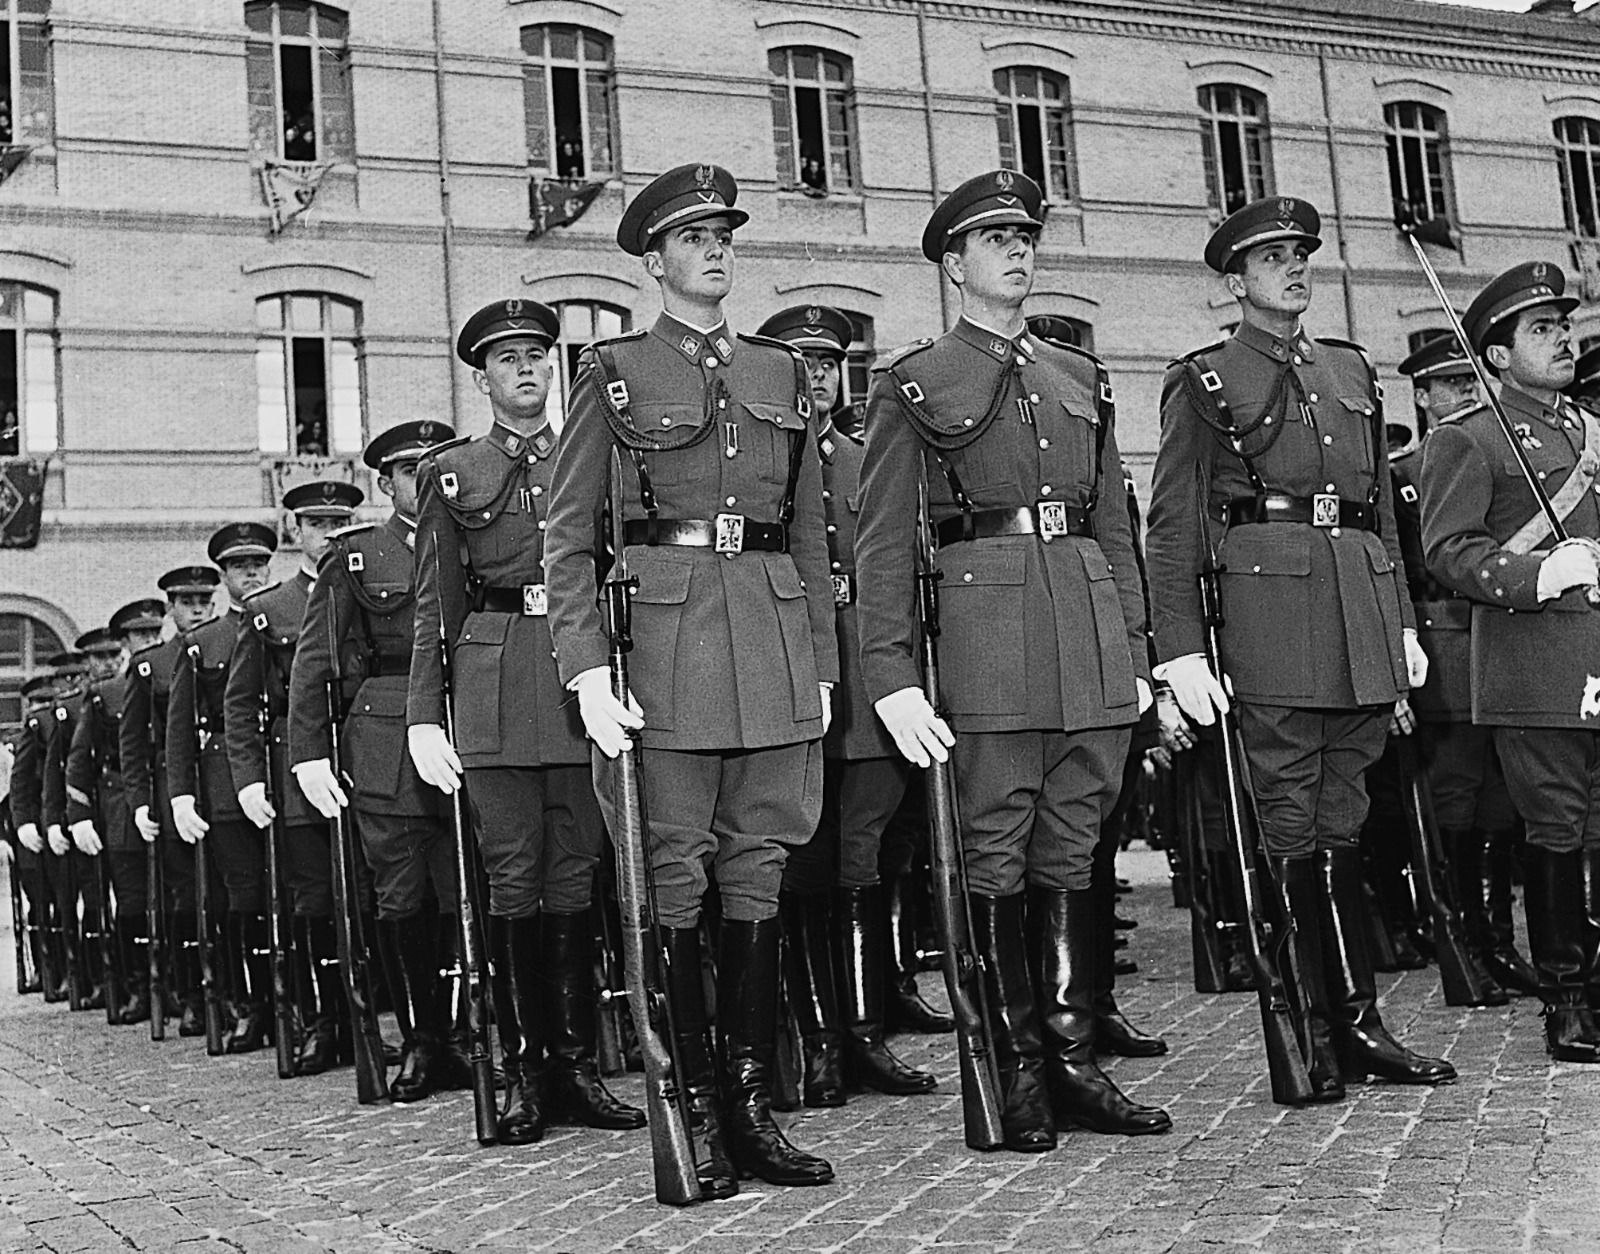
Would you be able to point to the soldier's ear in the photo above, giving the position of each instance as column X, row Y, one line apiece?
column 386, row 484
column 1498, row 356
column 652, row 264
column 1234, row 282
column 954, row 268
column 481, row 381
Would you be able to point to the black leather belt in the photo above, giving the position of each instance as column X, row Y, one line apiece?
column 1047, row 519
column 1322, row 510
column 728, row 534
column 529, row 599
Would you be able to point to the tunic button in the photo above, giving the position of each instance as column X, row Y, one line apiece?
column 1297, row 360
column 1267, row 421
column 1033, row 398
column 1044, row 489
column 666, row 422
column 826, row 496
column 733, row 500
column 1312, row 398
column 733, row 452
column 1256, row 569
column 838, row 566
column 541, row 524
column 1044, row 443
column 711, row 363
column 537, row 490
column 832, row 529
column 1330, row 488
column 487, row 515
column 967, row 578
column 1327, row 439
column 1337, row 532
column 966, row 422
column 1541, row 474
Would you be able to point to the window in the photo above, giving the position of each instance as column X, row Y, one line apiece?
column 813, row 120
column 1418, row 173
column 25, row 644
column 297, row 68
column 27, row 105
column 1033, row 113
column 308, row 375
column 1578, row 154
column 582, row 323
column 1234, row 141
column 858, row 360
column 30, row 413
column 567, row 96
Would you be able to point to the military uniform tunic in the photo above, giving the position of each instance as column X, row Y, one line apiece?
column 262, row 658
column 1312, row 640
column 483, row 505
column 362, row 603
column 195, row 712
column 76, row 874
column 729, row 648
column 142, row 750
column 1041, row 639
column 1532, row 663
column 95, row 791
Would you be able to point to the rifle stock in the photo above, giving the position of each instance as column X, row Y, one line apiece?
column 19, row 926
column 204, row 933
column 1268, row 949
column 155, row 890
column 372, row 1081
column 468, row 914
column 952, row 907
column 643, row 953
column 610, row 1048
column 1465, row 983
column 1205, row 919
column 114, row 987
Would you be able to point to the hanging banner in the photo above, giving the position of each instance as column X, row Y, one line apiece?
column 1586, row 261
column 558, row 202
column 11, row 156
column 21, row 502
column 289, row 187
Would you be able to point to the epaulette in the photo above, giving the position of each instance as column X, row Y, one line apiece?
column 1198, row 352
column 149, row 648
column 1073, row 348
column 351, row 530
column 437, row 449
column 624, row 338
column 1350, row 344
column 894, row 357
column 1460, row 415
column 259, row 592
column 769, row 342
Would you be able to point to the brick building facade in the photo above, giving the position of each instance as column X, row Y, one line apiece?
column 176, row 360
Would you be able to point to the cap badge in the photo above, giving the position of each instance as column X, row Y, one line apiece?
column 425, row 431
column 813, row 315
column 514, row 308
column 329, row 491
column 1286, row 208
column 1538, row 270
column 1005, row 180
column 705, row 177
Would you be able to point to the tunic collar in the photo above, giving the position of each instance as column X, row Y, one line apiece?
column 991, row 342
column 1276, row 347
column 1519, row 404
column 710, row 348
column 515, row 444
column 403, row 529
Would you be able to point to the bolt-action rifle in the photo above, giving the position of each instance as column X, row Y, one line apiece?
column 204, row 924
column 285, row 1014
column 155, row 887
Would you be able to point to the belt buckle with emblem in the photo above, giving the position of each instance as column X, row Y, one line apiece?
column 730, row 534
column 534, row 603
column 1052, row 519
column 1324, row 510
column 844, row 591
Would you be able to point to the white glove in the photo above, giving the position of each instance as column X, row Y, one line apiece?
column 920, row 734
column 86, row 838
column 1571, row 564
column 191, row 827
column 28, row 834
column 148, row 827
column 827, row 707
column 1146, row 697
column 253, row 801
column 7, row 854
column 434, row 757
column 59, row 844
column 321, row 786
column 1416, row 659
column 606, row 719
column 1199, row 694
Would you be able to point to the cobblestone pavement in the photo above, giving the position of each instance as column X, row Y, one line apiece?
column 111, row 1142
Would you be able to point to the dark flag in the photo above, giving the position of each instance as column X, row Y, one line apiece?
column 11, row 156
column 21, row 502
column 558, row 202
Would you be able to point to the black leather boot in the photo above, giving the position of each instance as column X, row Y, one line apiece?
column 908, row 1011
column 1465, row 853
column 693, row 1056
column 409, row 950
column 813, row 994
column 322, row 1005
column 573, row 1086
column 747, row 1025
column 1113, row 1033
column 135, row 1006
column 869, row 1062
column 58, row 973
column 1364, row 1044
column 1559, row 934
column 1510, row 969
column 1237, row 975
column 1062, row 944
column 1026, row 1119
column 1591, row 931
column 1301, row 890
column 452, row 1065
column 518, row 1023
column 35, row 942
column 252, row 1025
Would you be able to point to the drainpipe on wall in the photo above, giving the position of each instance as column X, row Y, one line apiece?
column 448, row 238
column 933, row 160
column 1338, row 202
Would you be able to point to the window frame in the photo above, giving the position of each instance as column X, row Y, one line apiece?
column 1397, row 133
column 566, row 349
column 274, row 41
column 786, row 130
column 548, row 62
column 37, row 16
column 1213, row 120
column 1568, row 152
column 1008, row 123
column 32, row 337
column 283, row 335
column 32, row 658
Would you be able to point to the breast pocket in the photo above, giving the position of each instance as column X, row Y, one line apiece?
column 981, row 641
column 1266, row 606
column 658, row 608
column 664, row 418
column 477, row 660
column 771, row 432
